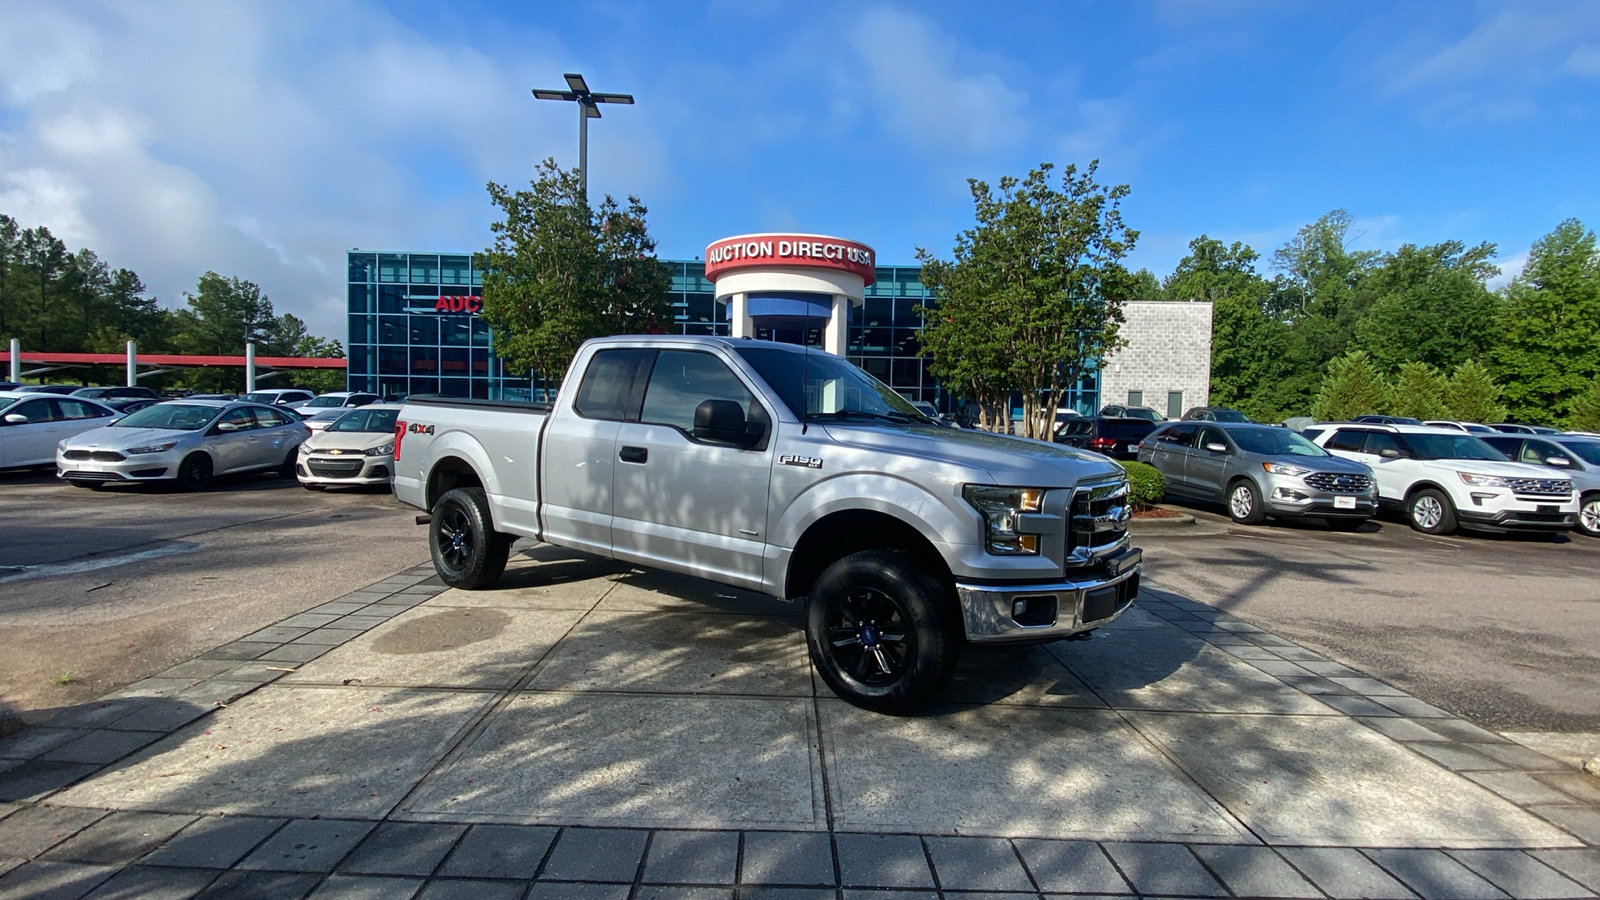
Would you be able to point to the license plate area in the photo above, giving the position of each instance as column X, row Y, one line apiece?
column 1548, row 509
column 1344, row 503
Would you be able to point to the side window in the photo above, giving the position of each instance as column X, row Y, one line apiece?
column 1181, row 435
column 270, row 418
column 1311, row 434
column 39, row 410
column 77, row 409
column 1508, row 446
column 1208, row 436
column 1346, row 439
column 607, row 385
column 1081, row 426
column 1379, row 441
column 683, row 379
column 240, row 418
column 1537, row 452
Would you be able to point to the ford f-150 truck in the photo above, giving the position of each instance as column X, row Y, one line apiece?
column 792, row 472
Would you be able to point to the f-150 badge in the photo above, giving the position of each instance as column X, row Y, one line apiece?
column 808, row 462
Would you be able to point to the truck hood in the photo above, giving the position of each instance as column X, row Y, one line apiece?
column 1008, row 460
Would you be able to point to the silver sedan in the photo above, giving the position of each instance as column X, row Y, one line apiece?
column 187, row 441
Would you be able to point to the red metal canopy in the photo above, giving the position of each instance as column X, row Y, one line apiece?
column 177, row 359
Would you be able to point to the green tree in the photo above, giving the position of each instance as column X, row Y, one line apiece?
column 1353, row 387
column 1419, row 391
column 1321, row 274
column 1473, row 395
column 223, row 315
column 1585, row 410
column 560, row 272
column 1035, row 290
column 1429, row 304
column 1550, row 324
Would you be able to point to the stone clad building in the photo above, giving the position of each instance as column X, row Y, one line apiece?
column 1166, row 364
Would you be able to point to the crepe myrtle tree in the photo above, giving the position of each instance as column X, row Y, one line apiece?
column 1032, row 298
column 561, row 272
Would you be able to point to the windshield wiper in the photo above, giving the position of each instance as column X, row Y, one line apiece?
column 848, row 413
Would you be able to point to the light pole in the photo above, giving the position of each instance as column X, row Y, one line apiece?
column 587, row 109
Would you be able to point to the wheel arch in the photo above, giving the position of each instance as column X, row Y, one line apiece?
column 451, row 472
column 838, row 534
column 1420, row 486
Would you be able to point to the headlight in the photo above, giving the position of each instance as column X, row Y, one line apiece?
column 304, row 450
column 1001, row 507
column 1284, row 469
column 1483, row 480
column 154, row 448
column 385, row 450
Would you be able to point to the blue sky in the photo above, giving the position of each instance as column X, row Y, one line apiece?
column 264, row 139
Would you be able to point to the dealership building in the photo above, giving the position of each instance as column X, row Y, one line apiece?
column 415, row 329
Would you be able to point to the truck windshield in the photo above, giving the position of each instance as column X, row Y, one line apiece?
column 821, row 384
column 1452, row 446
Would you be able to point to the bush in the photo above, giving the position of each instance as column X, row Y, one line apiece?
column 1146, row 487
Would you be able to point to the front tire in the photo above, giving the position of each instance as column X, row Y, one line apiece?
column 883, row 633
column 1431, row 512
column 1244, row 503
column 1589, row 514
column 467, row 552
column 194, row 473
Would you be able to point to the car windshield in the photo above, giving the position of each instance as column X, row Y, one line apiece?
column 1229, row 415
column 1274, row 442
column 325, row 402
column 171, row 416
column 1588, row 451
column 261, row 396
column 366, row 420
column 821, row 384
column 1451, row 446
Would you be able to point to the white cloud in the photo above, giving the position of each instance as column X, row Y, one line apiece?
column 1510, row 268
column 40, row 195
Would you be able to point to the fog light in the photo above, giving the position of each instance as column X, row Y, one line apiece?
column 1284, row 493
column 1478, row 497
column 1034, row 612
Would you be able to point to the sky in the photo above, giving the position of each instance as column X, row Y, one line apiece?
column 265, row 139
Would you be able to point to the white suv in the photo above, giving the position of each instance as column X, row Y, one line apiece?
column 1443, row 479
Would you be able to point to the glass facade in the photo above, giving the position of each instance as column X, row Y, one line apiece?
column 413, row 330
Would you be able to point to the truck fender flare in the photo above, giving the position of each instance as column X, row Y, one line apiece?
column 896, row 497
column 461, row 446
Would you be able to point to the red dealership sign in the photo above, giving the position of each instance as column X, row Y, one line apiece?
column 469, row 303
column 806, row 251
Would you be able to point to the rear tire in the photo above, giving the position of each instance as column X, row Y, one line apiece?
column 1589, row 514
column 883, row 633
column 1431, row 512
column 194, row 473
column 467, row 552
column 1244, row 503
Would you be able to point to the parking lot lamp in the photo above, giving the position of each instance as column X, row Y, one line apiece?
column 587, row 100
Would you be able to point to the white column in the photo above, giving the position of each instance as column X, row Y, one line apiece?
column 739, row 315
column 249, row 367
column 16, row 360
column 133, row 364
column 836, row 336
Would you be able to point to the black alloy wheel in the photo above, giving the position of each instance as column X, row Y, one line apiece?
column 883, row 633
column 467, row 552
column 194, row 473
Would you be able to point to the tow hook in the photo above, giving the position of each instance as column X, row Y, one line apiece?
column 424, row 519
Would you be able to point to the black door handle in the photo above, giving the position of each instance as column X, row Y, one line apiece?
column 634, row 454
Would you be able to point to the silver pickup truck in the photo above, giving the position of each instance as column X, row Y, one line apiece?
column 791, row 472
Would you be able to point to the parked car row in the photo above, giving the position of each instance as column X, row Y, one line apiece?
column 1440, row 478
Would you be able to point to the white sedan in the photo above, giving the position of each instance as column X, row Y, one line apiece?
column 356, row 448
column 32, row 424
column 187, row 441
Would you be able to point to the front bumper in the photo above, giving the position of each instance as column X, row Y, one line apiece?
column 1291, row 496
column 1029, row 613
column 1517, row 520
column 320, row 468
column 131, row 467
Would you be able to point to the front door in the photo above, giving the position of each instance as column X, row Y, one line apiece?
column 681, row 503
column 32, row 429
column 1205, row 467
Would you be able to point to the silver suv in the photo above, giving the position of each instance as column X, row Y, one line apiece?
column 1573, row 456
column 1260, row 471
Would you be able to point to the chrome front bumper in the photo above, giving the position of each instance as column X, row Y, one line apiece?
column 1012, row 613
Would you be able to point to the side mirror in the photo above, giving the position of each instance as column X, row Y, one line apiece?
column 227, row 427
column 1389, row 453
column 1217, row 448
column 723, row 422
column 1561, row 461
column 16, row 419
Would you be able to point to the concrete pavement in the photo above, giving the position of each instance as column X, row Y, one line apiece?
column 587, row 730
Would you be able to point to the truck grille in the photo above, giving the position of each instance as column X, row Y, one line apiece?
column 1554, row 487
column 96, row 455
column 1339, row 483
column 335, row 468
column 1097, row 521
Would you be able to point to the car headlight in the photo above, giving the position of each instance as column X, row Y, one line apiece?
column 304, row 450
column 1483, row 480
column 1001, row 508
column 385, row 450
column 1285, row 469
column 154, row 448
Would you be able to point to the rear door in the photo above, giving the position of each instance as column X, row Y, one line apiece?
column 578, row 457
column 1171, row 455
column 232, row 441
column 682, row 503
